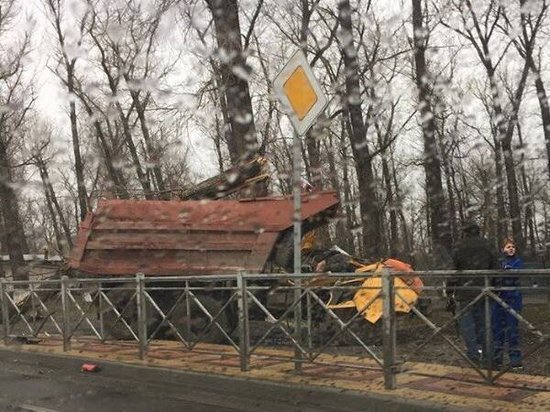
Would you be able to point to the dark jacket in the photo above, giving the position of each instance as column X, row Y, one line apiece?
column 472, row 253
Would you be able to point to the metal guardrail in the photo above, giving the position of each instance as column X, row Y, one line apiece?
column 146, row 308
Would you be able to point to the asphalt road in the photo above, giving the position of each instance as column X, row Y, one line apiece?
column 44, row 383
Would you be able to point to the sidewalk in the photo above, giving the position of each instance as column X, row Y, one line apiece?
column 438, row 386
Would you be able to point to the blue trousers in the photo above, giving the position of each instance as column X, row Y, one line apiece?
column 505, row 329
column 472, row 329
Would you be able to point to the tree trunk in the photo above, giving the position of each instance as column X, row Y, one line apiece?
column 407, row 243
column 513, row 199
column 529, row 203
column 452, row 204
column 48, row 188
column 233, row 70
column 342, row 237
column 313, row 163
column 142, row 177
column 391, row 203
column 55, row 7
column 221, row 95
column 217, row 142
column 119, row 187
column 58, row 238
column 460, row 197
column 446, row 163
column 152, row 151
column 505, row 134
column 439, row 224
column 544, row 110
column 368, row 199
column 12, row 227
column 79, row 166
column 502, row 224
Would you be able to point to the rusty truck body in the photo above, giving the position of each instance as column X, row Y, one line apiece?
column 187, row 238
column 191, row 237
column 205, row 233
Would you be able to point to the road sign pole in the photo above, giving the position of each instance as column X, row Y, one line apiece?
column 297, row 219
column 303, row 100
column 297, row 195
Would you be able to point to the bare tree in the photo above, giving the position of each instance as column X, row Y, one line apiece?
column 234, row 73
column 40, row 159
column 352, row 107
column 480, row 31
column 98, row 31
column 532, row 16
column 144, row 37
column 116, row 179
column 316, row 50
column 438, row 218
column 67, row 59
column 15, row 101
column 129, row 64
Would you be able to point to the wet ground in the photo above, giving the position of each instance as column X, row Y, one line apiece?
column 317, row 386
column 44, row 383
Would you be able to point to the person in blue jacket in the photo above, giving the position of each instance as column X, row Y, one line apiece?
column 505, row 326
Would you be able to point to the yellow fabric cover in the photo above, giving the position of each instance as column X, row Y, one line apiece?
column 373, row 285
column 406, row 290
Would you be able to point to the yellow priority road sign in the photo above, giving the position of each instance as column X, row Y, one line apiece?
column 300, row 93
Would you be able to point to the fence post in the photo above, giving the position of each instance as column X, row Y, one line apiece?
column 65, row 313
column 488, row 352
column 5, row 312
column 188, row 314
column 34, row 310
column 141, row 314
column 309, row 321
column 244, row 335
column 389, row 329
column 100, row 311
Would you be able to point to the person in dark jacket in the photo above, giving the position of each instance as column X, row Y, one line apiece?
column 473, row 252
column 504, row 325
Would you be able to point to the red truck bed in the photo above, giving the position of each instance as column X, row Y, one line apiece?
column 123, row 237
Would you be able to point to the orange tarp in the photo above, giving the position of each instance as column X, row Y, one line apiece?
column 407, row 289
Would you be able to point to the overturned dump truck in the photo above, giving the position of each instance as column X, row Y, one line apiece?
column 190, row 238
column 210, row 237
column 204, row 233
column 193, row 237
